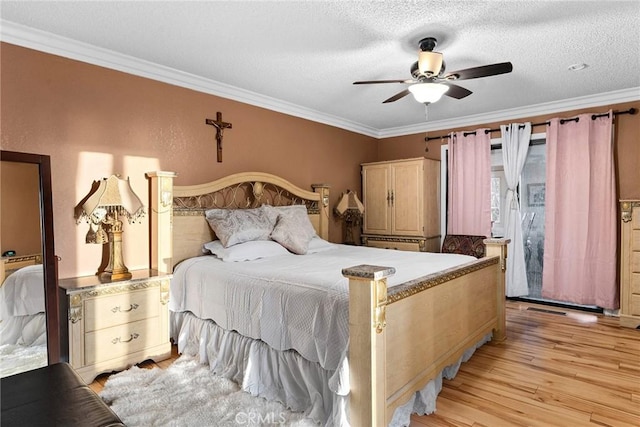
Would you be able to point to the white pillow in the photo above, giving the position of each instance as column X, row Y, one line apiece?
column 318, row 244
column 233, row 226
column 293, row 229
column 246, row 251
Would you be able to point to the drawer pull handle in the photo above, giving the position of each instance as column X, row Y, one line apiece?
column 131, row 308
column 132, row 337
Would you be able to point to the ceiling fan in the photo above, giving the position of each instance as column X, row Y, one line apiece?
column 429, row 80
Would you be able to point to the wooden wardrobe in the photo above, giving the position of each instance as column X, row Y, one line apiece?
column 402, row 204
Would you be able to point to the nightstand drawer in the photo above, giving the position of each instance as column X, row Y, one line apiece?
column 121, row 340
column 634, row 282
column 121, row 308
column 635, row 305
column 635, row 262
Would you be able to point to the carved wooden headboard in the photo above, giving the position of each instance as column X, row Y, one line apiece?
column 178, row 224
column 12, row 264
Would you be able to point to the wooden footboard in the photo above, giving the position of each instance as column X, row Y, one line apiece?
column 400, row 339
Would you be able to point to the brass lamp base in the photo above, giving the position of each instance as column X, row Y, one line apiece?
column 115, row 269
column 113, row 277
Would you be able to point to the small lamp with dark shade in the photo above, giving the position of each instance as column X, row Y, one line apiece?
column 350, row 209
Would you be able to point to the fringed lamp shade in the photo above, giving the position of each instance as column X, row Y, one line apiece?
column 108, row 201
column 350, row 209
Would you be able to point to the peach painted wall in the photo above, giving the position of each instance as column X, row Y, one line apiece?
column 627, row 143
column 95, row 122
column 20, row 208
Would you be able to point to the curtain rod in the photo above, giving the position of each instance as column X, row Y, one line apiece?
column 562, row 121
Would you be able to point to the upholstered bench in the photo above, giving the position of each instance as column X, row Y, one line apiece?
column 52, row 396
column 464, row 244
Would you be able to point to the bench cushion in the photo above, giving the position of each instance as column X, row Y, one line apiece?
column 464, row 244
column 52, row 395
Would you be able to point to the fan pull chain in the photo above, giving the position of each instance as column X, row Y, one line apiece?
column 426, row 119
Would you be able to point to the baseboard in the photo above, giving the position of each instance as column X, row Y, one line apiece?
column 590, row 309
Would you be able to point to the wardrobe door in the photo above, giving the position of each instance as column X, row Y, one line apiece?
column 407, row 198
column 376, row 195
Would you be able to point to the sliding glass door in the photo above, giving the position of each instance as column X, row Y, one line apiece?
column 531, row 192
column 532, row 201
column 531, row 195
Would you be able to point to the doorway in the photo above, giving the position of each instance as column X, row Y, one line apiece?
column 531, row 193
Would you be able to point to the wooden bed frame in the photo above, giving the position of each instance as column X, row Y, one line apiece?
column 401, row 338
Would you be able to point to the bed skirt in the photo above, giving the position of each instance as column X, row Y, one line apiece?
column 24, row 330
column 285, row 376
column 23, row 343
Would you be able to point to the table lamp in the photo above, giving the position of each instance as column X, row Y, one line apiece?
column 107, row 202
column 350, row 209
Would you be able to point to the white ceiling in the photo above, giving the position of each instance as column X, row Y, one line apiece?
column 301, row 57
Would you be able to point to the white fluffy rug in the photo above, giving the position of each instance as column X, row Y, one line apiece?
column 188, row 394
column 20, row 358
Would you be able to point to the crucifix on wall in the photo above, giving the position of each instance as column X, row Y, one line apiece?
column 220, row 127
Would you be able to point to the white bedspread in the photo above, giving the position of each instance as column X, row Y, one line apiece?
column 291, row 301
column 22, row 319
column 22, row 293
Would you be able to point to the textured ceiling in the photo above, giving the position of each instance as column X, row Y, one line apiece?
column 302, row 57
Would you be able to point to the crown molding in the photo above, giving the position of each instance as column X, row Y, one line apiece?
column 43, row 41
column 596, row 100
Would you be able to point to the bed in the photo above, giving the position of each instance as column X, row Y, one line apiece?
column 23, row 339
column 402, row 328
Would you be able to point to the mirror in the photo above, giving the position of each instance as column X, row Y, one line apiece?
column 29, row 309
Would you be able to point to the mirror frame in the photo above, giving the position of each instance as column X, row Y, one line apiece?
column 49, row 259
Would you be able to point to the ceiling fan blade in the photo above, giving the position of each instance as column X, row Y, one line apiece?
column 457, row 92
column 397, row 96
column 368, row 82
column 483, row 71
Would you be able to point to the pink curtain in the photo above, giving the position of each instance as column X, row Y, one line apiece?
column 580, row 211
column 469, row 198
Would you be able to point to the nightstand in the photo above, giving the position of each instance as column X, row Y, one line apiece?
column 115, row 325
column 630, row 263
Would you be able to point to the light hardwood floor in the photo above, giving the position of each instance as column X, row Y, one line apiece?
column 575, row 369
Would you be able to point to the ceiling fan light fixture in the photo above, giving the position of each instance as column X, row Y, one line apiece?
column 427, row 93
column 429, row 63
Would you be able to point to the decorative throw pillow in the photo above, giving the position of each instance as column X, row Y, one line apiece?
column 297, row 211
column 247, row 251
column 293, row 229
column 233, row 226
